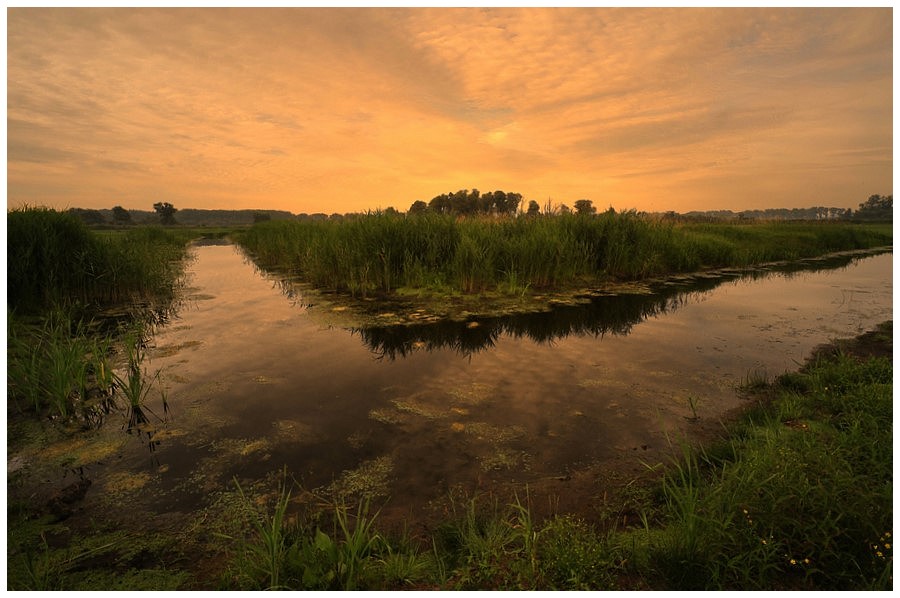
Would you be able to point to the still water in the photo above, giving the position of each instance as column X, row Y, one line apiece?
column 257, row 385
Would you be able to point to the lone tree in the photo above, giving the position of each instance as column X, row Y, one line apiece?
column 534, row 208
column 585, row 207
column 166, row 212
column 120, row 215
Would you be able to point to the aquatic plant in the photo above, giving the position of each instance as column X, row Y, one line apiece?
column 54, row 259
column 383, row 252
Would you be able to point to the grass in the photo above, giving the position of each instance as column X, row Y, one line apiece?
column 54, row 261
column 60, row 277
column 381, row 253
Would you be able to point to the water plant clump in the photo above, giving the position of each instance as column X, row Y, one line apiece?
column 54, row 260
column 385, row 253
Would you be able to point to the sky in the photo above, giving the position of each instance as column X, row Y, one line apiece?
column 354, row 109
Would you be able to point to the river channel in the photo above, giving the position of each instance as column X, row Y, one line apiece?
column 258, row 386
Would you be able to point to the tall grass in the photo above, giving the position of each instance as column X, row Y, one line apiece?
column 53, row 259
column 381, row 252
column 59, row 275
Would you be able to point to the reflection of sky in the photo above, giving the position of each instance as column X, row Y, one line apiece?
column 263, row 368
column 346, row 110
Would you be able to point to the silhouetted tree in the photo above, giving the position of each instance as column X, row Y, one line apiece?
column 585, row 207
column 166, row 212
column 120, row 215
column 877, row 207
column 534, row 208
column 418, row 207
column 88, row 216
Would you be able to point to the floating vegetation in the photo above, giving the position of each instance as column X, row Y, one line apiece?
column 121, row 484
column 503, row 458
column 414, row 405
column 494, row 434
column 78, row 452
column 370, row 480
column 170, row 350
column 475, row 394
column 254, row 446
column 386, row 416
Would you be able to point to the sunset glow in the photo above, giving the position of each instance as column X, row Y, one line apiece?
column 341, row 110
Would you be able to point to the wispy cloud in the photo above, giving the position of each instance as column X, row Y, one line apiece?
column 348, row 109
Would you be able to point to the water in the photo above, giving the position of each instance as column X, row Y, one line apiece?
column 564, row 401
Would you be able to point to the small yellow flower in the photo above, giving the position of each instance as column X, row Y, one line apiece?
column 805, row 561
column 887, row 546
column 793, row 561
column 879, row 554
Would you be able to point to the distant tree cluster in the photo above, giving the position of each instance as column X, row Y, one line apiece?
column 877, row 207
column 469, row 203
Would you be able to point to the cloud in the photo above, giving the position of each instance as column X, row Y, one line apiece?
column 343, row 109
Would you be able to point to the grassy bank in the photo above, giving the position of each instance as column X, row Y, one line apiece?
column 60, row 277
column 382, row 252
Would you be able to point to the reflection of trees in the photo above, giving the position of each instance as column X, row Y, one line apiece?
column 598, row 316
column 614, row 314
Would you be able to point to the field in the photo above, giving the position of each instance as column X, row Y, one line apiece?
column 775, row 506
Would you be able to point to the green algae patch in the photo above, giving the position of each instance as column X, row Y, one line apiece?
column 476, row 393
column 416, row 405
column 78, row 452
column 370, row 480
column 386, row 415
column 120, row 485
column 170, row 350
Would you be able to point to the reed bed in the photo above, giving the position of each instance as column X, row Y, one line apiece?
column 59, row 276
column 53, row 259
column 380, row 252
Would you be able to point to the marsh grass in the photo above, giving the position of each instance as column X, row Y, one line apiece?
column 60, row 275
column 53, row 260
column 798, row 497
column 379, row 253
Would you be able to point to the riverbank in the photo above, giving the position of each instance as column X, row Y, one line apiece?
column 414, row 307
column 382, row 254
column 775, row 504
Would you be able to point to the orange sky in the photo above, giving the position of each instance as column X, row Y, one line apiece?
column 340, row 110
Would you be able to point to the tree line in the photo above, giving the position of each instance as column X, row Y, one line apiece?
column 467, row 202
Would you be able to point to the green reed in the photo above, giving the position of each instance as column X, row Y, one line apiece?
column 54, row 259
column 799, row 498
column 60, row 275
column 381, row 252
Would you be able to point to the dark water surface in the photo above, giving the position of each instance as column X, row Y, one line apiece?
column 255, row 384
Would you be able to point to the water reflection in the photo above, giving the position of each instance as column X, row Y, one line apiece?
column 595, row 316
